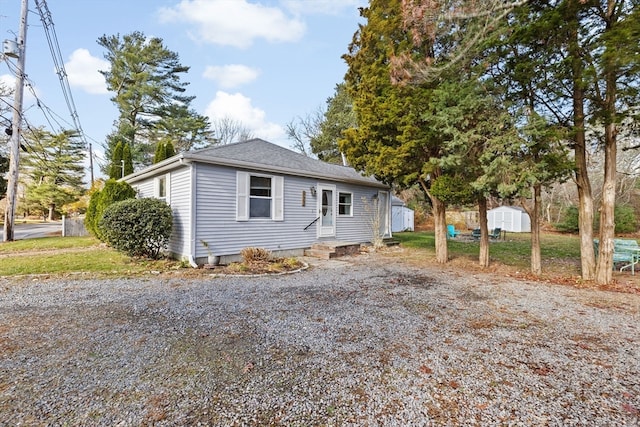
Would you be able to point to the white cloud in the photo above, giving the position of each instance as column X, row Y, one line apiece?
column 234, row 22
column 8, row 83
column 238, row 107
column 232, row 75
column 82, row 71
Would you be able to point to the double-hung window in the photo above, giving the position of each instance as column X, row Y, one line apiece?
column 345, row 204
column 259, row 196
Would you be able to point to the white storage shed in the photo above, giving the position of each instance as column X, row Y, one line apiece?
column 509, row 218
column 402, row 218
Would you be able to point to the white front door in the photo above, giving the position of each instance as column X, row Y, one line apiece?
column 326, row 210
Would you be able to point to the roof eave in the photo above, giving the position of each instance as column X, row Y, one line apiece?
column 185, row 158
column 154, row 169
column 282, row 170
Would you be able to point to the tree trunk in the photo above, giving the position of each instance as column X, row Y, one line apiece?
column 483, row 259
column 52, row 209
column 536, row 258
column 585, row 196
column 440, row 224
column 440, row 221
column 604, row 268
column 604, row 273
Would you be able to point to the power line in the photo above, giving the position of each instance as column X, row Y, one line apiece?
column 58, row 61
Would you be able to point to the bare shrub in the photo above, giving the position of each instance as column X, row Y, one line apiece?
column 253, row 255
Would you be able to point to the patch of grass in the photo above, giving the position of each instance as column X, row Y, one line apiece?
column 47, row 243
column 557, row 250
column 63, row 255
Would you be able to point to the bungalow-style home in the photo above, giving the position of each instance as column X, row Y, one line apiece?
column 258, row 194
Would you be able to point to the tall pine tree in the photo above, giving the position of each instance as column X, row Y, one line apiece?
column 146, row 79
column 52, row 170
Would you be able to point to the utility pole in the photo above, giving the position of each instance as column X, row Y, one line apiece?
column 16, row 124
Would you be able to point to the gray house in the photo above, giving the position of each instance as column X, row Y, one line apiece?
column 255, row 193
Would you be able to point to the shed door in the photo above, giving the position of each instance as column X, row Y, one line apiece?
column 326, row 210
column 383, row 212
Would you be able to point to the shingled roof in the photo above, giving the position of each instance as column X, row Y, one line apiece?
column 261, row 155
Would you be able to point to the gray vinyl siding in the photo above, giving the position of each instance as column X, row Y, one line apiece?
column 215, row 221
column 145, row 188
column 179, row 195
column 356, row 228
column 180, row 201
column 216, row 216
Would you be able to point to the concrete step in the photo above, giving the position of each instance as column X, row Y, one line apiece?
column 321, row 254
column 332, row 249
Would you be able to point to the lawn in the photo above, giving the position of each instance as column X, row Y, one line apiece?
column 560, row 252
column 70, row 255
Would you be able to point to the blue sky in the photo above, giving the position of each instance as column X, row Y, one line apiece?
column 262, row 62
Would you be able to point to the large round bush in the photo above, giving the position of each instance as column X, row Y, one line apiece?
column 137, row 227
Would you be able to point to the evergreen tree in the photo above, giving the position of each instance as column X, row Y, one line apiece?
column 338, row 117
column 52, row 169
column 161, row 152
column 570, row 61
column 395, row 138
column 169, row 150
column 150, row 96
column 128, row 159
column 115, row 171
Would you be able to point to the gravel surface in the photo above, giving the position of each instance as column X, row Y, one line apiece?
column 362, row 341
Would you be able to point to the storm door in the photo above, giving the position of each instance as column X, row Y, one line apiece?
column 326, row 210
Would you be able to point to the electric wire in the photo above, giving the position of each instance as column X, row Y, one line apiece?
column 58, row 62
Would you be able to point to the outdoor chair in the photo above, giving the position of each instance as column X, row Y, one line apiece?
column 495, row 234
column 452, row 233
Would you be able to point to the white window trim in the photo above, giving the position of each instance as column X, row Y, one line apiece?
column 167, row 188
column 350, row 214
column 243, row 188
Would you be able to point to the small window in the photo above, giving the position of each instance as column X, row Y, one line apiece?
column 260, row 197
column 161, row 190
column 345, row 204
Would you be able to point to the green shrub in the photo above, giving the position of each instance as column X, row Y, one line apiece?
column 626, row 221
column 137, row 227
column 569, row 222
column 625, row 218
column 113, row 191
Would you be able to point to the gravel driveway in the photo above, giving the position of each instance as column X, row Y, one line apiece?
column 361, row 341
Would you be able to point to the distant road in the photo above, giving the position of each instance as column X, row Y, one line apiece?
column 34, row 230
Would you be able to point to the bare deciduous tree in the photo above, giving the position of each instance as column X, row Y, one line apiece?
column 227, row 130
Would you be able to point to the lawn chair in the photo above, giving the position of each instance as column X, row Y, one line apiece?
column 495, row 234
column 452, row 233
